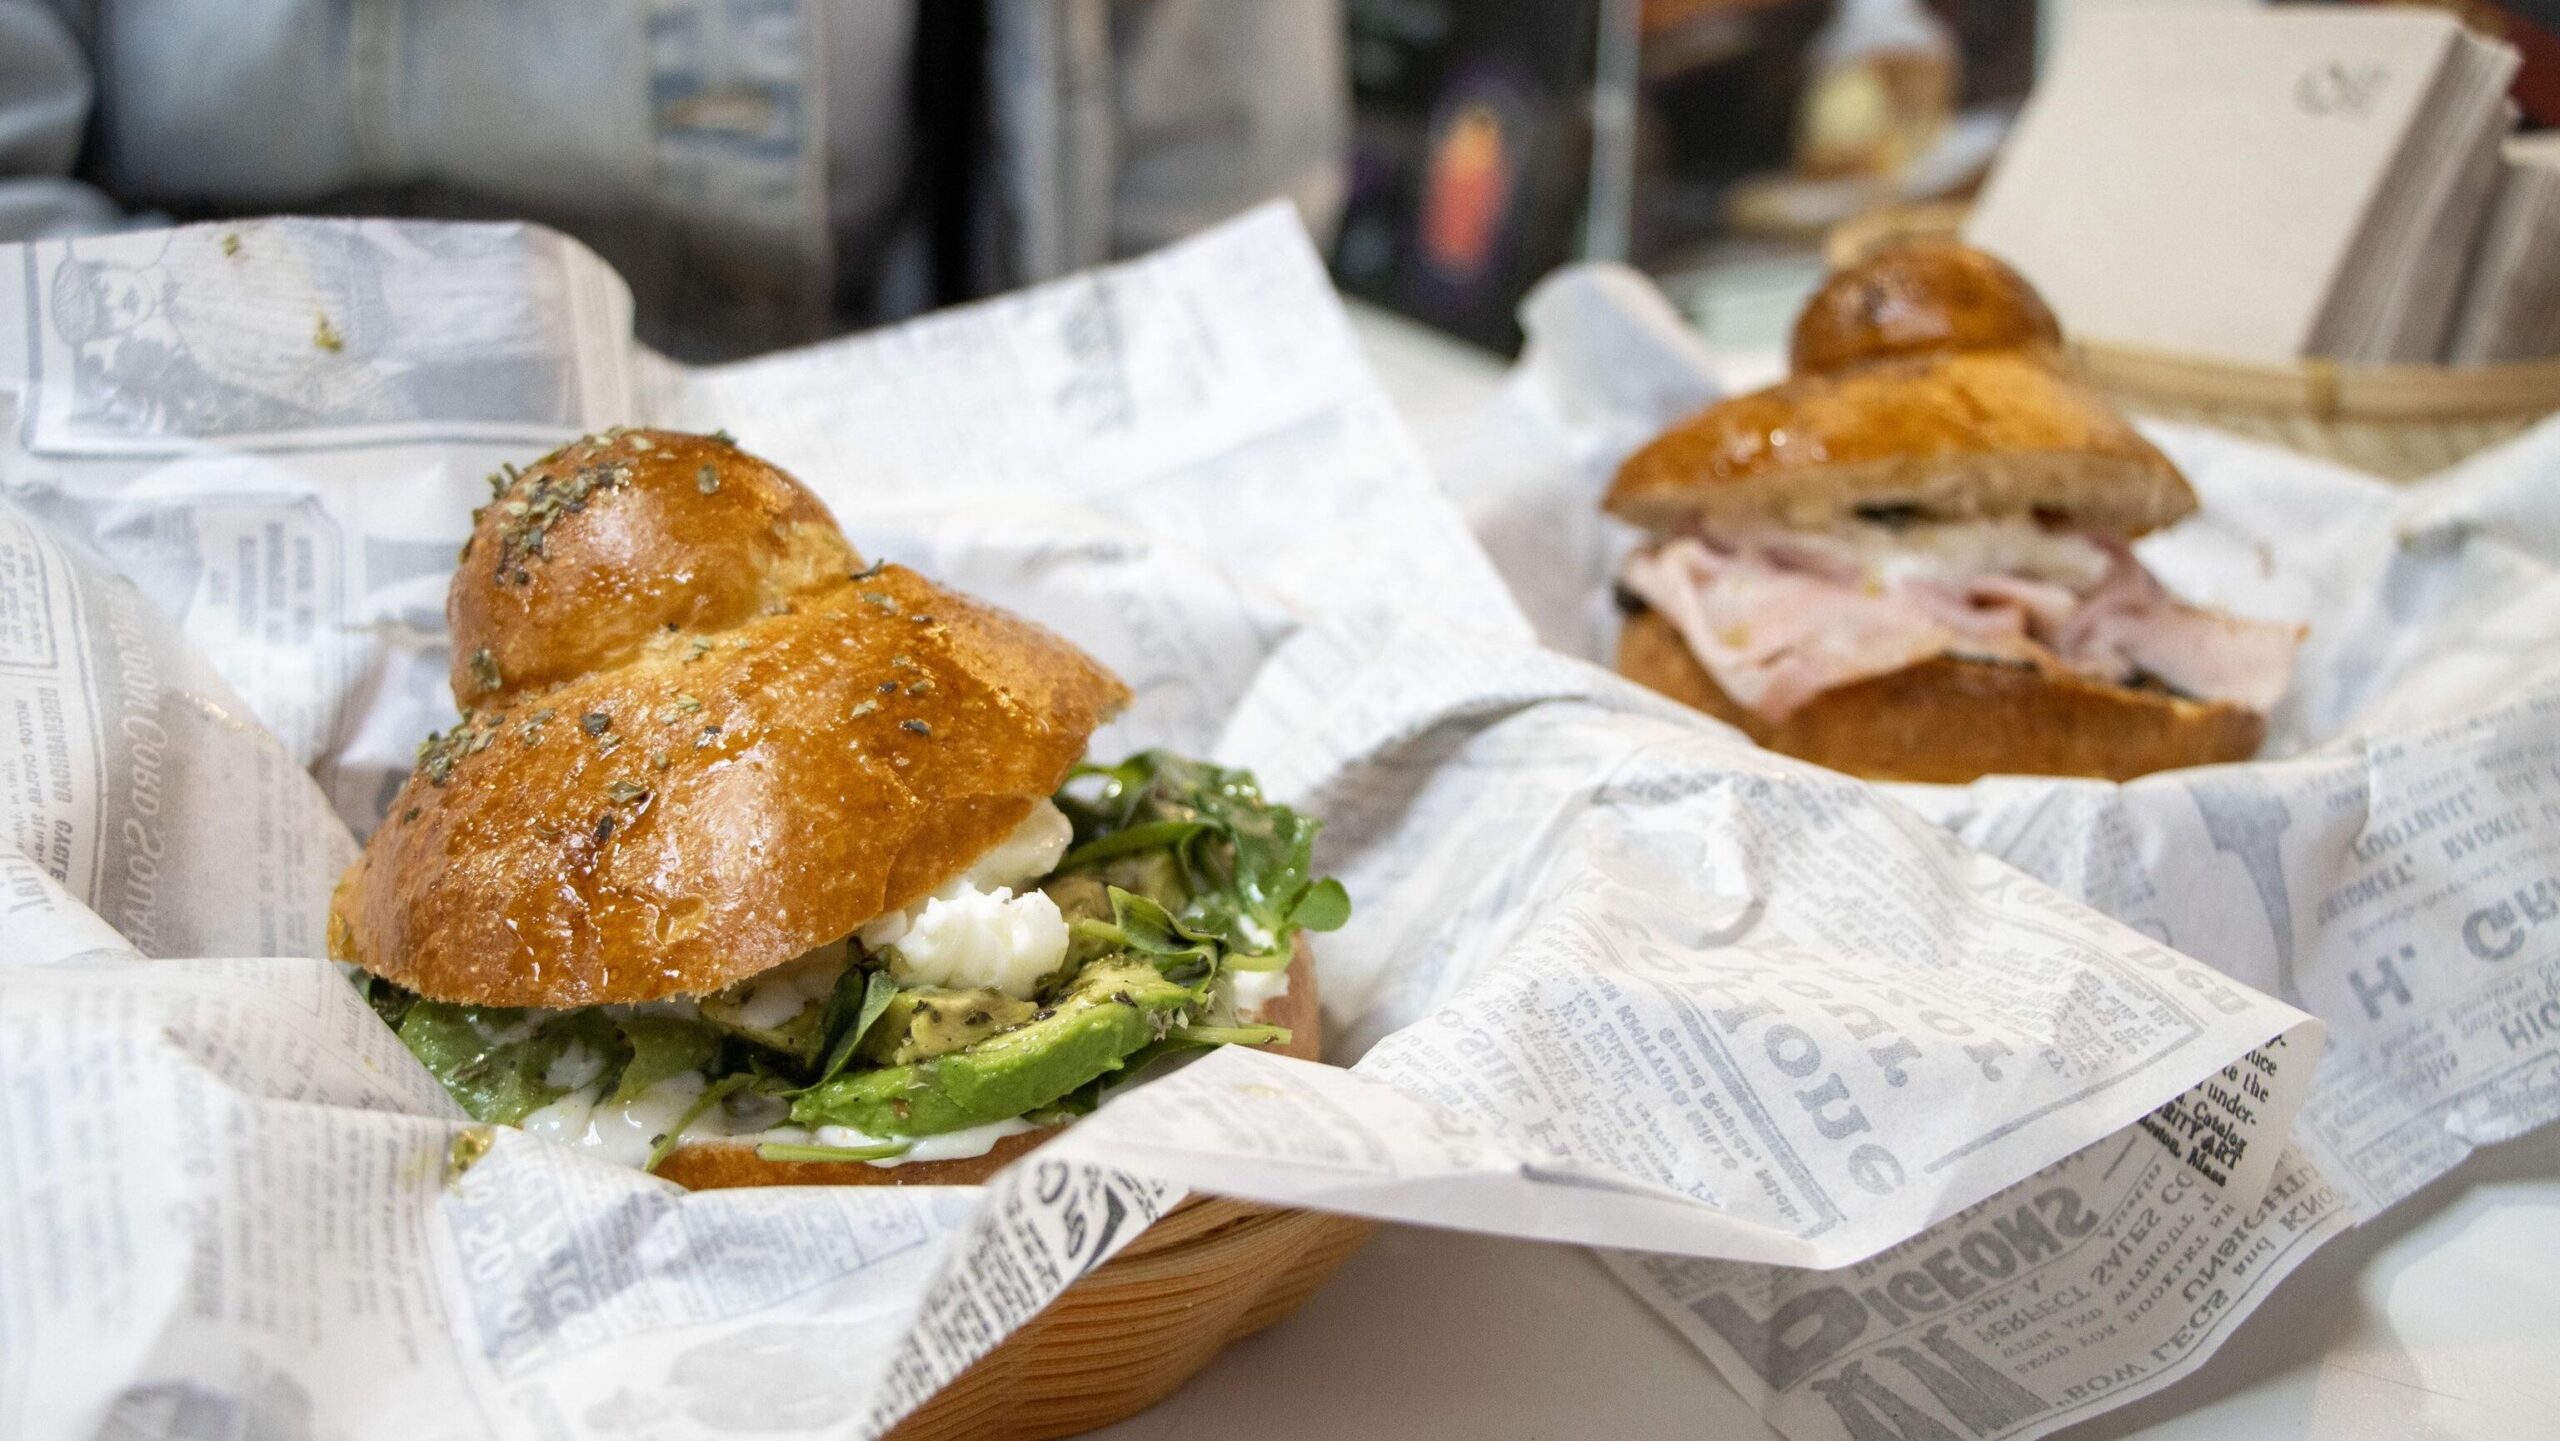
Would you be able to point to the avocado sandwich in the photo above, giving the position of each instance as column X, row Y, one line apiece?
column 751, row 861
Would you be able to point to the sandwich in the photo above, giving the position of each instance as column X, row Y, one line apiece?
column 752, row 861
column 1910, row 560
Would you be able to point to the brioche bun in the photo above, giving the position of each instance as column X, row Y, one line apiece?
column 1954, row 436
column 714, row 1165
column 1919, row 297
column 1950, row 720
column 699, row 739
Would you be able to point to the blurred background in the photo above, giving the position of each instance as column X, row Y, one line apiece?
column 766, row 172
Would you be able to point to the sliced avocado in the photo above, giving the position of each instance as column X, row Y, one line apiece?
column 1114, row 1007
column 930, row 1021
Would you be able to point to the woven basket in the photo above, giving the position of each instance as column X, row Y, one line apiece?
column 2401, row 422
column 1123, row 1338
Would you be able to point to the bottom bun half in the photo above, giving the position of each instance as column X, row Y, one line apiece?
column 1948, row 720
column 711, row 1165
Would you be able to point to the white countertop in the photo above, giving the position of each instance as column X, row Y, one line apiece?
column 2442, row 1318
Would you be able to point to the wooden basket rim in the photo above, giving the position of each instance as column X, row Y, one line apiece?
column 2325, row 389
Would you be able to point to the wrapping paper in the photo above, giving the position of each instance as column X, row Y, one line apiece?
column 1614, row 976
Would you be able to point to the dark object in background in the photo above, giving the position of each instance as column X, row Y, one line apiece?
column 1477, row 165
column 1471, row 155
column 1719, row 83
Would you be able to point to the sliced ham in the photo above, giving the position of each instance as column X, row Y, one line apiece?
column 2131, row 627
column 1780, row 617
column 1774, row 637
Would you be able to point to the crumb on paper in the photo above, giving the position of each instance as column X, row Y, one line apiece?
column 231, row 243
column 326, row 336
column 468, row 1147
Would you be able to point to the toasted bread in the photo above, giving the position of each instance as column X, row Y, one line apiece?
column 1952, row 720
column 1917, row 298
column 700, row 738
column 1959, row 435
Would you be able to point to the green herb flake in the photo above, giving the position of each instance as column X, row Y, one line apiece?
column 595, row 722
column 484, row 670
column 326, row 336
column 915, row 727
column 624, row 793
column 707, row 479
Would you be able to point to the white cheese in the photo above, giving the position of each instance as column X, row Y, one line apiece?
column 1031, row 852
column 774, row 998
column 623, row 1132
column 964, row 939
column 1249, row 991
column 977, row 931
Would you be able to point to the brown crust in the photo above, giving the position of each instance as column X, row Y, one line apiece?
column 1951, row 721
column 1918, row 297
column 806, row 748
column 712, row 1166
column 1956, row 435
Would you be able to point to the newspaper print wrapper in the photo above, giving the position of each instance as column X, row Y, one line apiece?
column 2392, row 867
column 1615, row 978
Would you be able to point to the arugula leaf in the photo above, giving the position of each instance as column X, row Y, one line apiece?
column 1152, row 836
column 1324, row 907
column 499, row 1063
column 1246, row 863
column 1184, row 955
column 874, row 994
column 663, row 1046
column 787, row 1151
column 1230, row 1035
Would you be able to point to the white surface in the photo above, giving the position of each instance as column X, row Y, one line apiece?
column 2442, row 1318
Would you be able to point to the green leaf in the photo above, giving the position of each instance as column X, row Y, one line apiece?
column 1230, row 1035
column 876, row 990
column 1324, row 907
column 498, row 1062
column 1184, row 955
column 787, row 1151
column 1152, row 836
column 662, row 1046
column 1245, row 864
